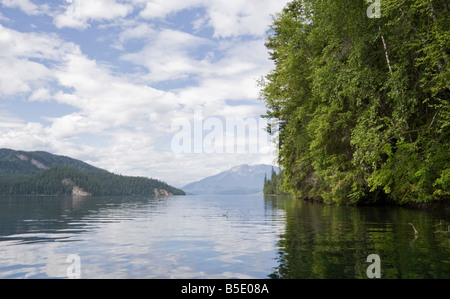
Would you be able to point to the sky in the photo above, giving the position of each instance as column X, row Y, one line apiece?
column 116, row 83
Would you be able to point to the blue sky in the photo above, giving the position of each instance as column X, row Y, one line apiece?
column 103, row 80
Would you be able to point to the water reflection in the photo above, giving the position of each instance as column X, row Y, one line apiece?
column 334, row 241
column 217, row 237
column 176, row 237
column 40, row 219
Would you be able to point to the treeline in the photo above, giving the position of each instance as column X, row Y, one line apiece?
column 14, row 168
column 49, row 182
column 363, row 103
column 273, row 186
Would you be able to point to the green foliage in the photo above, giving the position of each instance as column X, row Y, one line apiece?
column 49, row 182
column 323, row 241
column 21, row 177
column 274, row 185
column 18, row 163
column 364, row 103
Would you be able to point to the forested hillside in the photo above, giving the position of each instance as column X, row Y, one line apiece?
column 363, row 103
column 13, row 163
column 21, row 177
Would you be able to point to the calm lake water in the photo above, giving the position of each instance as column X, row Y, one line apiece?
column 216, row 237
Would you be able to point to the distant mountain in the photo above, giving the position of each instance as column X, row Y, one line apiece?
column 239, row 180
column 42, row 173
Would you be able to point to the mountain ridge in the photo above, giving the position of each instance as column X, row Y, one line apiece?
column 18, row 162
column 43, row 173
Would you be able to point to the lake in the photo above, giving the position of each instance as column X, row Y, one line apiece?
column 216, row 237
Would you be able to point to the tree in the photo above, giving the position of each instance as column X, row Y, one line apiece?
column 273, row 186
column 363, row 102
column 50, row 182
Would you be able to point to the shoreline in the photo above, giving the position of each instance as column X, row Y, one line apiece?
column 431, row 205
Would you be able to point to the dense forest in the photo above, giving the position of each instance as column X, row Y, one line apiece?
column 49, row 182
column 273, row 185
column 362, row 95
column 20, row 176
column 17, row 163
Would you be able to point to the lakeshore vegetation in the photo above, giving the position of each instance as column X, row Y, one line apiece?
column 363, row 103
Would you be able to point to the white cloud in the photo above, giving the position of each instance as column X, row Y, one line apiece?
column 104, row 9
column 26, row 6
column 228, row 18
column 231, row 78
column 3, row 18
column 168, row 55
column 73, row 125
column 24, row 58
column 108, row 105
column 7, row 120
column 119, row 121
column 236, row 17
column 163, row 8
column 40, row 94
column 26, row 136
column 42, row 46
column 134, row 31
column 65, row 20
column 78, row 13
column 18, row 76
column 112, row 101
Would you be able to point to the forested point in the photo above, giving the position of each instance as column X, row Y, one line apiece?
column 42, row 173
column 362, row 98
column 52, row 182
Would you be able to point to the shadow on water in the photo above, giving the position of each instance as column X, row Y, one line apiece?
column 322, row 241
column 116, row 237
column 34, row 219
column 218, row 237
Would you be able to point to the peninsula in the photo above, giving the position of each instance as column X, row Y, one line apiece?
column 42, row 173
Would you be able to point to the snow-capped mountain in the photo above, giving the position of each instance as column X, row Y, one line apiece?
column 242, row 179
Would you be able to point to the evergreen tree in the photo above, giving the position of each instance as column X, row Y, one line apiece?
column 51, row 182
column 363, row 102
column 273, row 186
